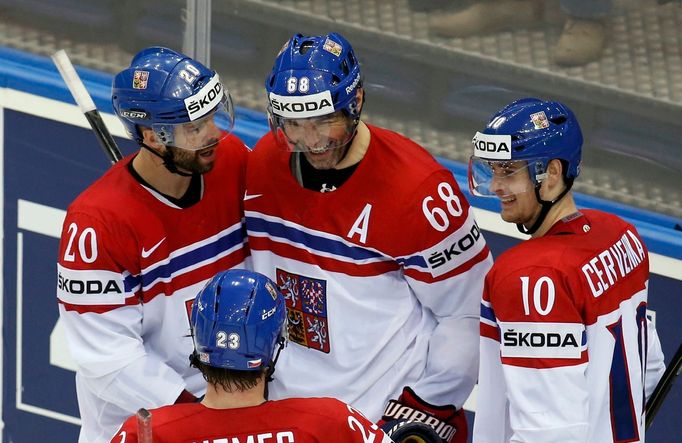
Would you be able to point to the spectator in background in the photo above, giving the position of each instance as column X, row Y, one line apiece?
column 585, row 28
column 140, row 242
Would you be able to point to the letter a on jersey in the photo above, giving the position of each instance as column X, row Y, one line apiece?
column 361, row 224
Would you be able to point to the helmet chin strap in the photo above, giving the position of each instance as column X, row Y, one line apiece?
column 167, row 161
column 281, row 342
column 545, row 207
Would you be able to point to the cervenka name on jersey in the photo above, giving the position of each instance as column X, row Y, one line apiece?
column 90, row 287
column 541, row 340
column 302, row 106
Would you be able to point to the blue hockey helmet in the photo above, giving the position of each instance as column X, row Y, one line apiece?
column 174, row 95
column 528, row 132
column 238, row 321
column 312, row 78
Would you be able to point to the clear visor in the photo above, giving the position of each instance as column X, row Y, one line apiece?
column 201, row 133
column 314, row 134
column 503, row 178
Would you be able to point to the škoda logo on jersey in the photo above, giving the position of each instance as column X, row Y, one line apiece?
column 306, row 300
column 541, row 340
column 89, row 287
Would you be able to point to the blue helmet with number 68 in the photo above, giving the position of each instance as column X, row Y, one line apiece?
column 238, row 321
column 315, row 82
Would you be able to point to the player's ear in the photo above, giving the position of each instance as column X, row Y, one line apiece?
column 360, row 97
column 149, row 137
column 554, row 183
column 555, row 172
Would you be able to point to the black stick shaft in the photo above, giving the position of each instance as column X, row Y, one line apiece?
column 663, row 387
column 104, row 137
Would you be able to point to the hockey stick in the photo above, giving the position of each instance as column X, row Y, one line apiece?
column 144, row 426
column 86, row 105
column 663, row 387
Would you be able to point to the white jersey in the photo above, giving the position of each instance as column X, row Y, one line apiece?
column 382, row 276
column 131, row 262
column 567, row 353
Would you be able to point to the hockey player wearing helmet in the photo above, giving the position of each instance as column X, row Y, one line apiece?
column 140, row 241
column 239, row 327
column 175, row 108
column 372, row 243
column 567, row 352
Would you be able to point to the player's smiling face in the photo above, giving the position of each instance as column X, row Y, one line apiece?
column 323, row 140
column 513, row 186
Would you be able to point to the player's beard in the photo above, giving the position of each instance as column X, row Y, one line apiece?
column 196, row 162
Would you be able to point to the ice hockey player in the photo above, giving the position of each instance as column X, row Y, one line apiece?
column 567, row 351
column 239, row 328
column 140, row 242
column 372, row 243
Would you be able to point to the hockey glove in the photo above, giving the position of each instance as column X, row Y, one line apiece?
column 449, row 423
column 411, row 432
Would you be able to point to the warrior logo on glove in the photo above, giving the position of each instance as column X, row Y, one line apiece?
column 447, row 421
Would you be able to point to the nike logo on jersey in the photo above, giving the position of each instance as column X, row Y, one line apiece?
column 252, row 196
column 146, row 253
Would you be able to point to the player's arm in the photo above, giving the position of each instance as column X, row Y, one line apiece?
column 101, row 311
column 447, row 263
column 543, row 352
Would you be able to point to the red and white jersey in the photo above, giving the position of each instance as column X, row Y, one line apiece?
column 130, row 264
column 565, row 341
column 382, row 277
column 295, row 420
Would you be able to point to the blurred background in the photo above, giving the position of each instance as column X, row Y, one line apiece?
column 434, row 70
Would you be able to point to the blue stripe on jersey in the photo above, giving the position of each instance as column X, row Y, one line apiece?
column 316, row 242
column 190, row 258
column 489, row 314
column 131, row 282
column 415, row 261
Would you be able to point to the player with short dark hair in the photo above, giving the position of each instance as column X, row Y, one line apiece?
column 372, row 243
column 239, row 328
column 137, row 245
column 567, row 351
